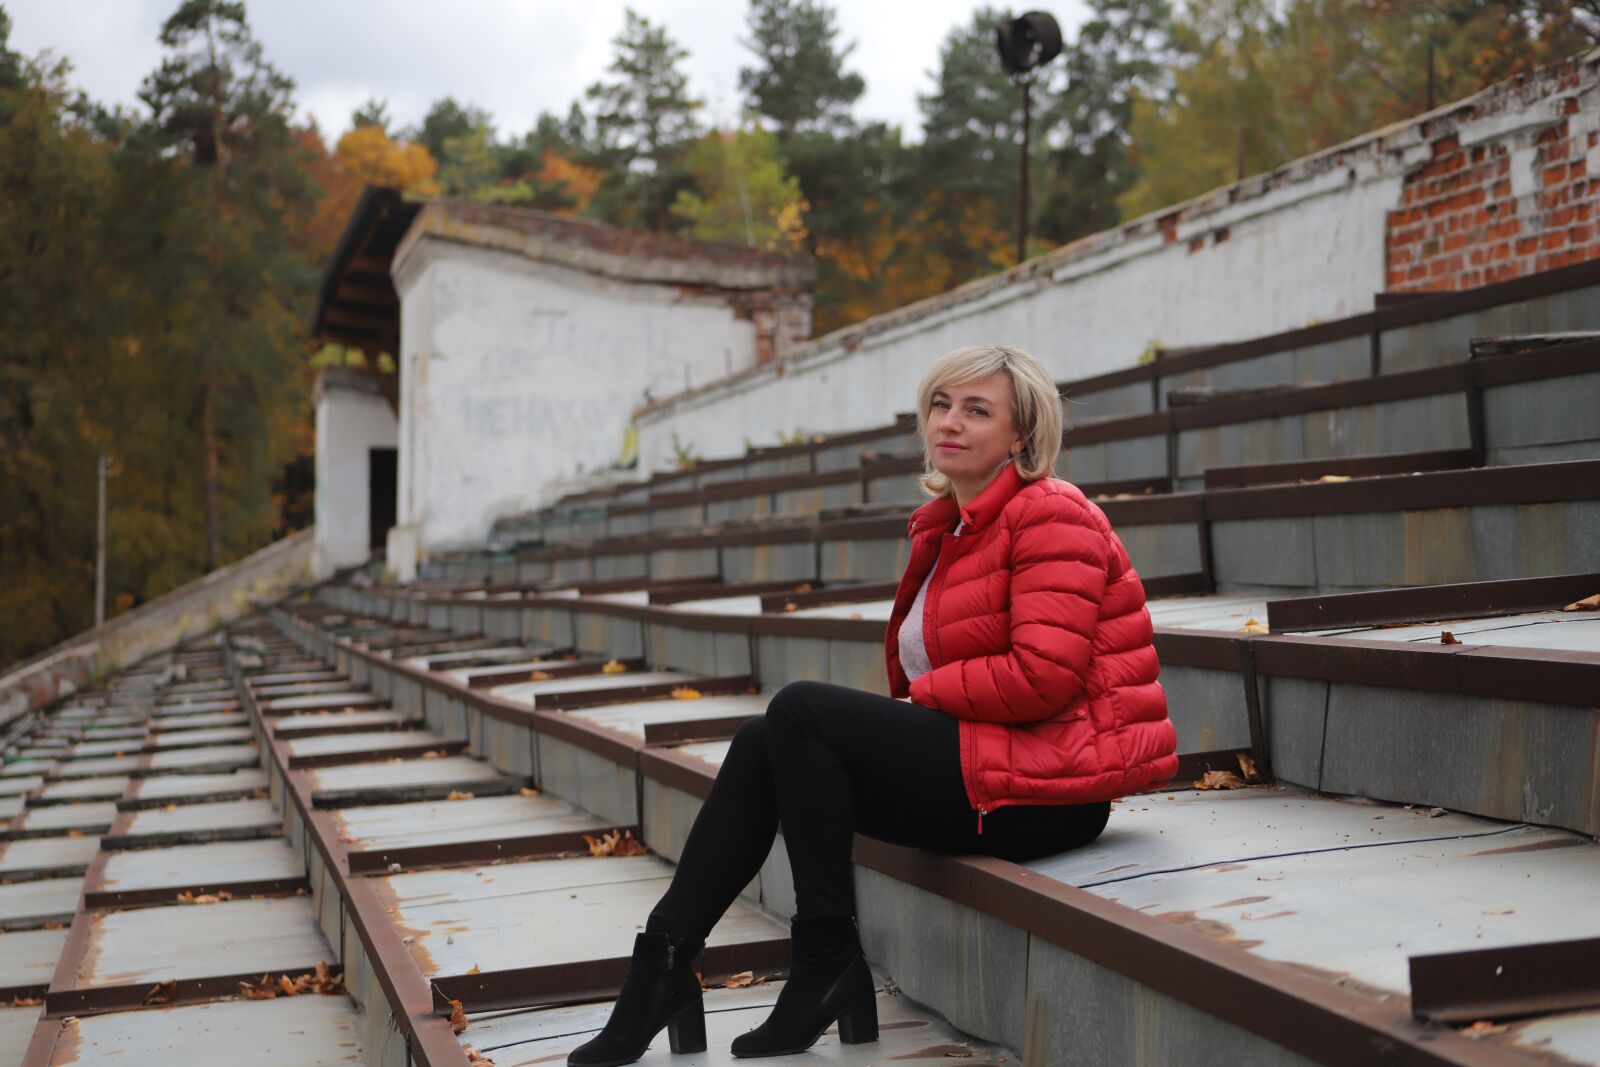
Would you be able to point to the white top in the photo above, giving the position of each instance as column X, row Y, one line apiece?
column 913, row 649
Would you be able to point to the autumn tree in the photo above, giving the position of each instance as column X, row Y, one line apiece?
column 799, row 80
column 365, row 155
column 55, row 340
column 1258, row 83
column 236, row 318
column 644, row 118
column 742, row 194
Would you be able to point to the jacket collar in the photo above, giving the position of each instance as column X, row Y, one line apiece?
column 940, row 515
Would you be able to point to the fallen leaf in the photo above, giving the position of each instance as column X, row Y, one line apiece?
column 1219, row 780
column 683, row 692
column 1482, row 1028
column 433, row 753
column 616, row 843
column 266, row 989
column 1434, row 813
column 474, row 969
column 458, row 1018
column 163, row 992
column 613, row 667
column 1588, row 603
column 1251, row 626
column 1334, row 478
column 169, row 807
column 474, row 1056
column 540, row 676
column 740, row 980
column 286, row 987
column 527, row 792
column 456, row 794
column 855, row 615
column 629, row 847
column 789, row 605
column 1448, row 638
column 26, row 1002
column 1247, row 766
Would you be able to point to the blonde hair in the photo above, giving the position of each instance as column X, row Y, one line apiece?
column 1036, row 406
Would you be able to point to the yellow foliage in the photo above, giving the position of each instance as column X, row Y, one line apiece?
column 370, row 157
column 581, row 182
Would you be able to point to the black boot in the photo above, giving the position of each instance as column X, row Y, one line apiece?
column 660, row 990
column 828, row 980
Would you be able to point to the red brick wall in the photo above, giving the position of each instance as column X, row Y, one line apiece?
column 1460, row 226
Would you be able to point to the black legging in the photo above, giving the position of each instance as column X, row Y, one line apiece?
column 827, row 761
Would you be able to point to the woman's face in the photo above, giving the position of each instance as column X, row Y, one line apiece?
column 971, row 431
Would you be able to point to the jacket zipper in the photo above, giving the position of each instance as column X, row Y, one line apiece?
column 981, row 813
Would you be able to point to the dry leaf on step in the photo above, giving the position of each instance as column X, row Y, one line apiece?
column 740, row 980
column 1251, row 626
column 1448, row 638
column 615, row 843
column 1219, row 780
column 1247, row 766
column 684, row 692
column 613, row 667
column 458, row 1018
column 1588, row 603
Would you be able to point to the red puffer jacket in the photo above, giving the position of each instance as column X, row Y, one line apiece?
column 1036, row 627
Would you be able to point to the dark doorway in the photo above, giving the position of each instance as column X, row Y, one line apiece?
column 382, row 470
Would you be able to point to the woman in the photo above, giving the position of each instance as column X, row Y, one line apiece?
column 1024, row 700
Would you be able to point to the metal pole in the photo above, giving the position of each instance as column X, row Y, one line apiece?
column 1022, row 177
column 100, row 552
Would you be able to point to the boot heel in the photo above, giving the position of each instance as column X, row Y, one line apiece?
column 686, row 1031
column 859, row 1022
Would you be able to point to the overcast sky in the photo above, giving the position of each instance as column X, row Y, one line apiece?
column 514, row 57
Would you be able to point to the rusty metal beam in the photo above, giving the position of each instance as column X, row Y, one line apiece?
column 1508, row 982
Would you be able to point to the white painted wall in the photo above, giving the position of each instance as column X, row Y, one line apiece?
column 1307, row 252
column 516, row 374
column 349, row 424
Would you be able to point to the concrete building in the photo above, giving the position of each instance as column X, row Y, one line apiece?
column 357, row 433
column 524, row 341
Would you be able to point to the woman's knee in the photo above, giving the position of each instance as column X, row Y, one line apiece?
column 751, row 735
column 792, row 705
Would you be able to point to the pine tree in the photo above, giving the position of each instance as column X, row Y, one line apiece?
column 971, row 142
column 374, row 113
column 800, row 82
column 241, row 302
column 447, row 119
column 644, row 119
column 1118, row 54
